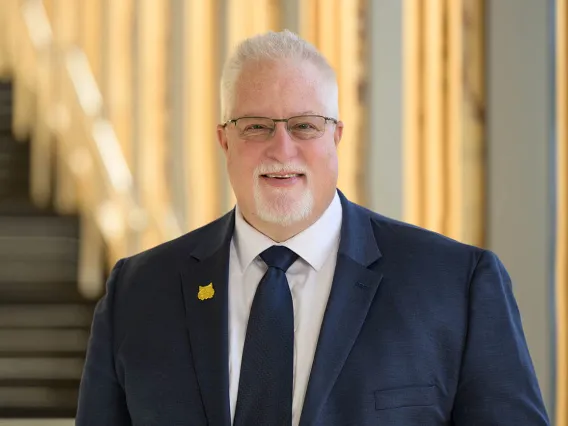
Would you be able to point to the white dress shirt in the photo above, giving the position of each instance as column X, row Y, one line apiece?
column 309, row 278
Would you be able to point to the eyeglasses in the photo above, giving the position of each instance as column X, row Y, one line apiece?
column 301, row 127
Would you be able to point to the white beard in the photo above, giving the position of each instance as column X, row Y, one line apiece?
column 281, row 206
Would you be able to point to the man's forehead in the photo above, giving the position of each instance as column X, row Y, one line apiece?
column 291, row 114
column 279, row 90
column 279, row 102
column 282, row 73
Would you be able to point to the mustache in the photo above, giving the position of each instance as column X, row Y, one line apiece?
column 267, row 168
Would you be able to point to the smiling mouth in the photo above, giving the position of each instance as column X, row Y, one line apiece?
column 282, row 176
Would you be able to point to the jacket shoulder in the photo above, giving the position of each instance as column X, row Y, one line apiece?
column 168, row 255
column 395, row 236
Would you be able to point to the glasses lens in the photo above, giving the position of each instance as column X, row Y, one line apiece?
column 306, row 126
column 254, row 127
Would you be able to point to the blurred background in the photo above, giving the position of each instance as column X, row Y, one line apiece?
column 456, row 119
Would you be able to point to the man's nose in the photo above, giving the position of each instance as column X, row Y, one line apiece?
column 281, row 146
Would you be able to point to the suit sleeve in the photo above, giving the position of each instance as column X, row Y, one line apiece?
column 497, row 385
column 102, row 401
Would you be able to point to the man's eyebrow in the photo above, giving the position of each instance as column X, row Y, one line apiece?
column 253, row 115
column 309, row 112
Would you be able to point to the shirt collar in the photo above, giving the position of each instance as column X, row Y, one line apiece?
column 314, row 244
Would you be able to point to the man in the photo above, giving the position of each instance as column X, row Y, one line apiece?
column 300, row 307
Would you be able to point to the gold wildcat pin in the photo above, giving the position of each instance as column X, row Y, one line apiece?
column 206, row 292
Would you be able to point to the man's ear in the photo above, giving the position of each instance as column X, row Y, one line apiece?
column 222, row 137
column 338, row 132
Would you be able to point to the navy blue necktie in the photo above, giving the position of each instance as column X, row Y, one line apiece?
column 265, row 384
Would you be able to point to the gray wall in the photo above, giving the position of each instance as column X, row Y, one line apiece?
column 519, row 130
column 384, row 83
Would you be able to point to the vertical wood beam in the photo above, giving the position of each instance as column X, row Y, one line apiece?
column 41, row 150
column 434, row 135
column 118, row 72
column 349, row 66
column 561, row 263
column 413, row 95
column 246, row 18
column 444, row 135
column 454, row 123
column 334, row 28
column 91, row 34
column 65, row 32
column 49, row 7
column 151, row 117
column 200, row 92
column 470, row 202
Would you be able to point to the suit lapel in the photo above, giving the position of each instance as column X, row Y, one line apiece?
column 205, row 289
column 352, row 292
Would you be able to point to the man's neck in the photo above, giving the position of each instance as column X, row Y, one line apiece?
column 281, row 233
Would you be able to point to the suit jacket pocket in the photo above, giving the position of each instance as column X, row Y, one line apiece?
column 422, row 396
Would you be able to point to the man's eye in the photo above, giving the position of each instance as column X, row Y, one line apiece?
column 304, row 126
column 255, row 127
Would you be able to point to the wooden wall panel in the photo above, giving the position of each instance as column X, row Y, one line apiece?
column 118, row 62
column 413, row 197
column 200, row 88
column 468, row 205
column 66, row 37
column 246, row 18
column 444, row 165
column 561, row 298
column 435, row 138
column 334, row 27
column 151, row 148
column 91, row 34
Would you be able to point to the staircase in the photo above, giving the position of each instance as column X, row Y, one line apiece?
column 44, row 321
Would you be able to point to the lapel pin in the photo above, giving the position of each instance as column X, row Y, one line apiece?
column 206, row 292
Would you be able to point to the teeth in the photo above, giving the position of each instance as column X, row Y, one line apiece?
column 282, row 176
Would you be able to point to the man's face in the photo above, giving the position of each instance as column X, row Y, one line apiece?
column 281, row 180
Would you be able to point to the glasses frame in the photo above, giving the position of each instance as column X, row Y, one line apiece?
column 282, row 120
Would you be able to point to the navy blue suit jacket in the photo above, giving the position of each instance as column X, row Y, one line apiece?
column 419, row 330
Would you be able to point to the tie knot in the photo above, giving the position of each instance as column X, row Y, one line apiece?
column 278, row 257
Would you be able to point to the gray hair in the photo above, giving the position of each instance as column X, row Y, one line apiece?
column 275, row 46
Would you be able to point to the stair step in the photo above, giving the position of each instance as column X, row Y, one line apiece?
column 13, row 152
column 39, row 292
column 34, row 270
column 41, row 368
column 8, row 187
column 45, row 248
column 9, row 139
column 9, row 144
column 35, row 422
column 10, row 177
column 43, row 340
column 46, row 315
column 30, row 416
column 6, row 88
column 38, row 397
column 13, row 165
column 10, row 181
column 45, row 226
column 14, row 161
column 19, row 205
column 24, row 403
